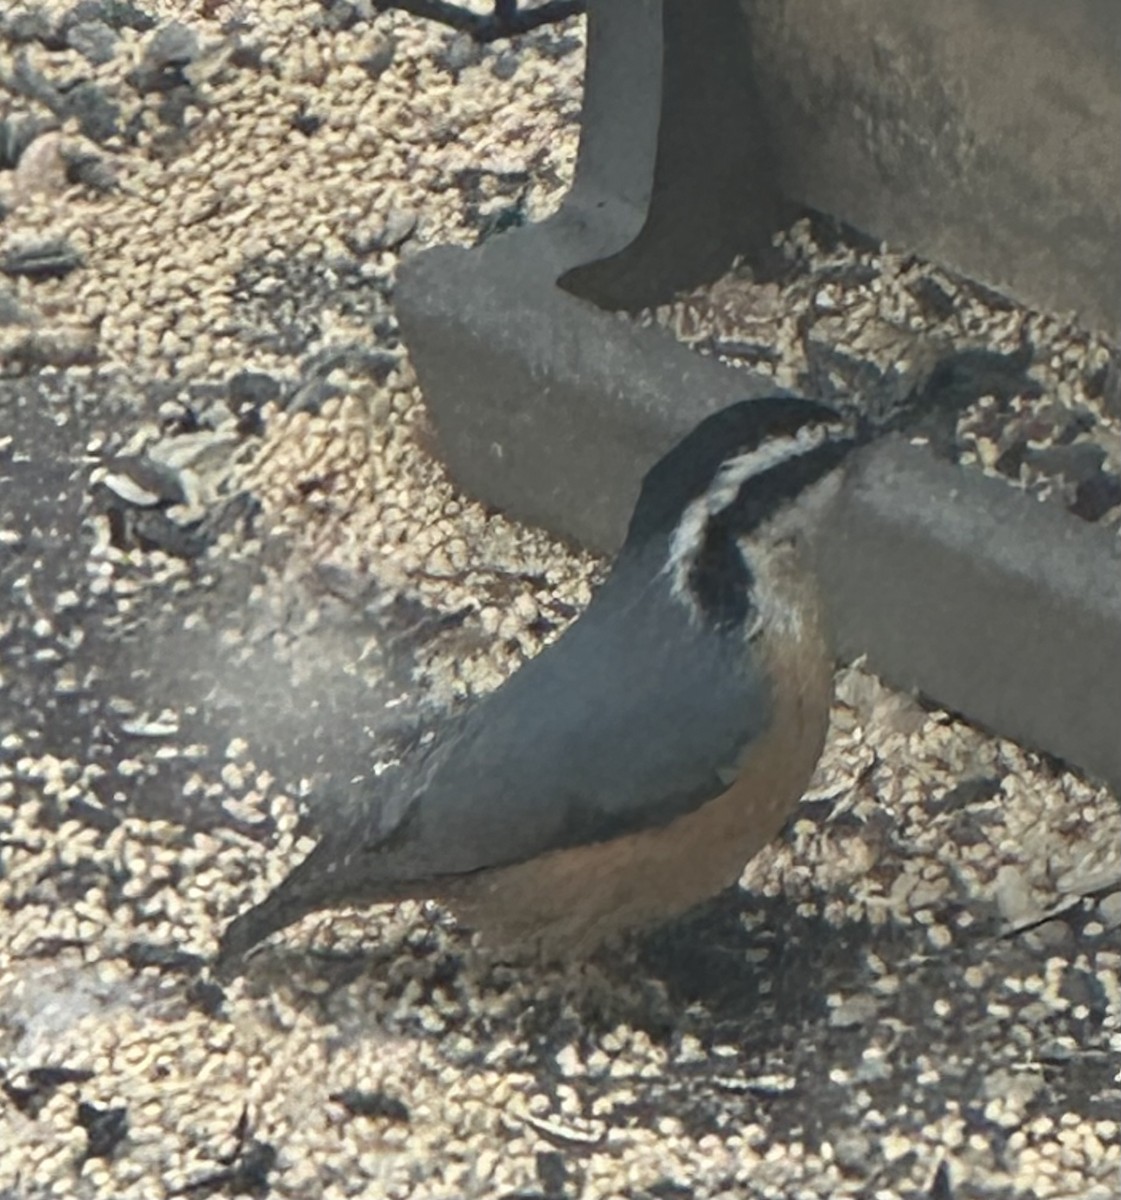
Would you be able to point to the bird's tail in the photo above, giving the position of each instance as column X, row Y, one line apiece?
column 304, row 890
column 279, row 909
column 322, row 880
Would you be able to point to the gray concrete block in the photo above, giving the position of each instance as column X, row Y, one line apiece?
column 544, row 405
column 953, row 584
column 999, row 607
column 672, row 121
column 550, row 408
column 983, row 134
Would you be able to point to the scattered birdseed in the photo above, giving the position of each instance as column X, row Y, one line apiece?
column 282, row 593
column 844, row 318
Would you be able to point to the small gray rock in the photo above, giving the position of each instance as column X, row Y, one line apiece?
column 174, row 43
column 340, row 15
column 854, row 1010
column 1076, row 463
column 204, row 393
column 42, row 260
column 380, row 59
column 312, row 396
column 505, row 66
column 98, row 116
column 10, row 311
column 27, row 80
column 853, row 1152
column 874, row 1069
column 1097, row 496
column 28, row 25
column 1109, row 910
column 93, row 40
column 1014, row 896
column 558, row 47
column 90, row 170
column 153, row 529
column 461, row 51
column 377, row 365
column 171, row 49
column 117, row 14
column 1051, row 935
column 65, row 347
column 252, row 387
column 17, row 133
column 1016, row 1088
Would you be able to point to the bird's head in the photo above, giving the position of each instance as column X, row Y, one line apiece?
column 729, row 481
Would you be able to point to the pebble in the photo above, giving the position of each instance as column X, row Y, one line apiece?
column 53, row 259
column 854, row 1011
column 97, row 114
column 1109, row 910
column 95, row 41
column 41, row 168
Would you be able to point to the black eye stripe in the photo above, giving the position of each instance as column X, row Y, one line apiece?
column 719, row 579
column 692, row 467
column 740, row 469
column 761, row 496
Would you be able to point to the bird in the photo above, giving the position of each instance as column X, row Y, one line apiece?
column 631, row 768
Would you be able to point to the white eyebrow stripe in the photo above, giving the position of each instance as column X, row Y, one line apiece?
column 725, row 487
column 772, row 453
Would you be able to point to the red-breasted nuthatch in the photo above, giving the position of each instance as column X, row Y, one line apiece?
column 633, row 767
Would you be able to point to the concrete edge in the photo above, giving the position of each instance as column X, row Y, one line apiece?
column 954, row 585
column 551, row 409
column 992, row 604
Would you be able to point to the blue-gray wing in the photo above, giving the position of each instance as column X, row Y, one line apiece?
column 634, row 717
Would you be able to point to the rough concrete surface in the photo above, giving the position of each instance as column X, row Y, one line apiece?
column 979, row 574
column 985, row 136
column 516, row 426
column 568, row 398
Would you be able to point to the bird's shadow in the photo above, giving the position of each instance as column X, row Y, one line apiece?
column 747, row 961
column 741, row 968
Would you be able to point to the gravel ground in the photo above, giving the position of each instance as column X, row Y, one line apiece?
column 843, row 315
column 236, row 582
